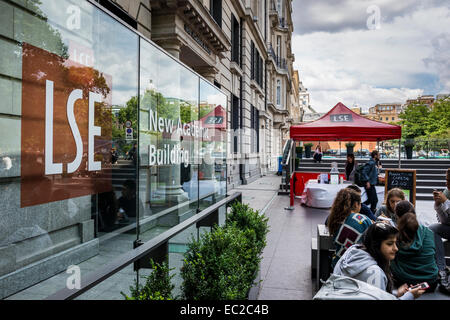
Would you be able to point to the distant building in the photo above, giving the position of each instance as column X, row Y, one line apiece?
column 427, row 100
column 311, row 115
column 304, row 99
column 443, row 96
column 385, row 112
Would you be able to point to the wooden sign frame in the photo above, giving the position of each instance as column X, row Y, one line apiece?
column 386, row 182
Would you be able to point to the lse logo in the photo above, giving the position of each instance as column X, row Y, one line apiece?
column 66, row 128
column 341, row 118
column 57, row 168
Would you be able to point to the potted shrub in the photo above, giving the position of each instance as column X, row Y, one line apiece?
column 158, row 285
column 223, row 264
column 297, row 163
column 409, row 144
column 299, row 151
column 308, row 147
column 350, row 146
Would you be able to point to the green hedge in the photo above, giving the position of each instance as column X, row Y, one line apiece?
column 223, row 264
column 158, row 285
column 220, row 265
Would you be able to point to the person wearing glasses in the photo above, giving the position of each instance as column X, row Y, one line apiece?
column 370, row 261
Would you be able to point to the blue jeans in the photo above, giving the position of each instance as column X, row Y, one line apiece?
column 440, row 231
column 372, row 198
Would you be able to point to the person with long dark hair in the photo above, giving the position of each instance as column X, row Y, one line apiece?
column 370, row 261
column 387, row 211
column 318, row 154
column 350, row 167
column 404, row 207
column 345, row 223
column 416, row 259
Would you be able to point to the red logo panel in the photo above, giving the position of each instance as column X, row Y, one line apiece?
column 66, row 129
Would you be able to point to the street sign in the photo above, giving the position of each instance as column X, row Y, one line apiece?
column 129, row 133
column 128, row 124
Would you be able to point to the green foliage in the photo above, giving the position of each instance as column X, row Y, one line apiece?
column 223, row 264
column 299, row 149
column 245, row 218
column 158, row 285
column 419, row 121
column 350, row 144
column 309, row 144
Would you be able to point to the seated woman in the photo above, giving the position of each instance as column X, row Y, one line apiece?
column 317, row 154
column 370, row 261
column 345, row 223
column 415, row 261
column 387, row 212
column 404, row 207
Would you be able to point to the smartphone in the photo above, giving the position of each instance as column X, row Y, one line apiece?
column 423, row 286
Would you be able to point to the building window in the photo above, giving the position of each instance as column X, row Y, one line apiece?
column 235, row 40
column 216, row 11
column 278, row 92
column 279, row 7
column 235, row 121
column 393, row 118
column 254, row 123
column 257, row 65
column 278, row 48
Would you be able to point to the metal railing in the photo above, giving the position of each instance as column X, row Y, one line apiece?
column 286, row 164
column 141, row 252
column 421, row 149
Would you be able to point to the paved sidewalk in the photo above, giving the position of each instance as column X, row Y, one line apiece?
column 286, row 263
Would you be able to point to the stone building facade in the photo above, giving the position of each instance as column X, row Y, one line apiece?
column 244, row 48
column 385, row 112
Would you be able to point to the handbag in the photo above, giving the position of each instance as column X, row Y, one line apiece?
column 339, row 287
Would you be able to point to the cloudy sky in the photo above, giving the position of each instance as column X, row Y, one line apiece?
column 368, row 52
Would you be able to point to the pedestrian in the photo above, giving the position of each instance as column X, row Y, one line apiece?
column 317, row 154
column 345, row 224
column 350, row 167
column 370, row 261
column 370, row 176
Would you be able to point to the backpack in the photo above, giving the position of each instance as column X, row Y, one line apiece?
column 358, row 175
column 339, row 287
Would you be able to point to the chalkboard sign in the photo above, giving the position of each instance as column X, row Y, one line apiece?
column 404, row 179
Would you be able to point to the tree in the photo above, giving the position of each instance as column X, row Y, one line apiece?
column 414, row 121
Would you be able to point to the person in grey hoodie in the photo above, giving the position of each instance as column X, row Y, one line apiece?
column 370, row 261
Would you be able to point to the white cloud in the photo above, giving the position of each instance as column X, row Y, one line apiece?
column 366, row 67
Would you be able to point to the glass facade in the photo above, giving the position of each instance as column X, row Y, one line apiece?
column 104, row 140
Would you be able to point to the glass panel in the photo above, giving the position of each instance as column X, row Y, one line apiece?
column 69, row 126
column 169, row 108
column 68, row 74
column 212, row 170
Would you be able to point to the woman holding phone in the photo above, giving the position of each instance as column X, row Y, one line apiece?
column 370, row 261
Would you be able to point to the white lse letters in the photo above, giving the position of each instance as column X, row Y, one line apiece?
column 56, row 168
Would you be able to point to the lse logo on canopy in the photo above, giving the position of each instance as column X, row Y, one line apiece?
column 66, row 128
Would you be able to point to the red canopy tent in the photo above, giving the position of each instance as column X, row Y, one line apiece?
column 339, row 124
column 342, row 124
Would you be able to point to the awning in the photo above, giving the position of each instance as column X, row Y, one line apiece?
column 342, row 124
